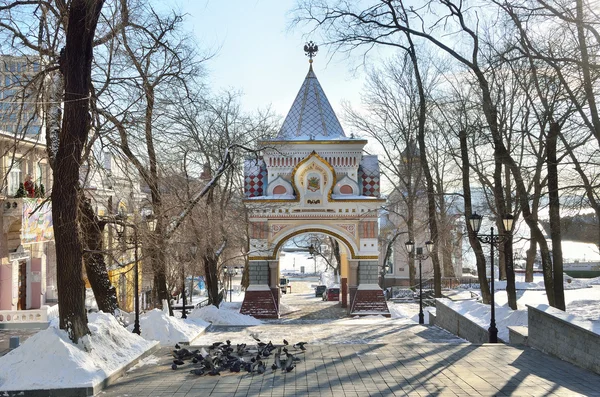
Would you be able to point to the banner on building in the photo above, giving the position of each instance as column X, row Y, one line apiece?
column 37, row 221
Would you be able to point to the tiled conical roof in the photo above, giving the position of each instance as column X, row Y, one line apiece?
column 311, row 116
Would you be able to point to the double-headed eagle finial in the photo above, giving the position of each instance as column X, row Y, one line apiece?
column 310, row 50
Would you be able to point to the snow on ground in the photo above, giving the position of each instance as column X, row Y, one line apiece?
column 49, row 360
column 150, row 360
column 228, row 313
column 399, row 310
column 284, row 309
column 158, row 325
column 480, row 314
column 582, row 298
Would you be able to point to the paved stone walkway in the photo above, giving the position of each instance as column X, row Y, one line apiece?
column 365, row 357
column 5, row 335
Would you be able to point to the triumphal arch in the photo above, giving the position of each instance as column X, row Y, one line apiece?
column 312, row 178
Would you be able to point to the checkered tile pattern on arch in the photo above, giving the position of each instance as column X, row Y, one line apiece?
column 368, row 172
column 255, row 178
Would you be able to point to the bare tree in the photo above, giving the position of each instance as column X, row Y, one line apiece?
column 388, row 22
column 391, row 119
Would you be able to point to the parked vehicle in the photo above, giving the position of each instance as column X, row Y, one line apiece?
column 319, row 289
column 331, row 294
column 284, row 284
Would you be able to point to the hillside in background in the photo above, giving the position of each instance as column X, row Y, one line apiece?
column 582, row 228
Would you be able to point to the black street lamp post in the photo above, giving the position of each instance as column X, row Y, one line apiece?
column 193, row 251
column 136, row 284
column 492, row 240
column 120, row 226
column 183, row 311
column 230, row 273
column 410, row 246
column 312, row 252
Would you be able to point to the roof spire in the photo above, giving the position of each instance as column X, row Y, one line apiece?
column 310, row 50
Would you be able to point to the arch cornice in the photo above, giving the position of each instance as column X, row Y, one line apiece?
column 348, row 241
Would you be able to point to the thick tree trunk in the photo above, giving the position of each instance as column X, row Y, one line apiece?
column 475, row 244
column 511, row 289
column 212, row 280
column 447, row 246
column 554, row 212
column 431, row 208
column 75, row 65
column 502, row 154
column 93, row 258
column 531, row 254
column 160, row 273
column 412, row 271
column 500, row 211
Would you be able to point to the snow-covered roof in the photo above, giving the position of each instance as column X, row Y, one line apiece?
column 311, row 117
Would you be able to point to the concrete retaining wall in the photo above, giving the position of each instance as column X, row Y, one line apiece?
column 564, row 336
column 457, row 324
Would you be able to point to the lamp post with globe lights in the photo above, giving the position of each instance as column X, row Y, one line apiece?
column 312, row 252
column 492, row 239
column 385, row 269
column 230, row 272
column 193, row 250
column 410, row 246
column 121, row 225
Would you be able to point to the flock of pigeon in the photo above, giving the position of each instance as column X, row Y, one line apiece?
column 225, row 356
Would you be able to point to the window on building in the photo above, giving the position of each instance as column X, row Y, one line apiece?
column 107, row 161
column 391, row 260
column 14, row 178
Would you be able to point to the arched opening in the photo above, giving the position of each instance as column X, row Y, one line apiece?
column 311, row 270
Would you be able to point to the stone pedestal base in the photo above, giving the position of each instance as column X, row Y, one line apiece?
column 369, row 300
column 260, row 303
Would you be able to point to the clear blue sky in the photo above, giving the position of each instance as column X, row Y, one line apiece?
column 259, row 56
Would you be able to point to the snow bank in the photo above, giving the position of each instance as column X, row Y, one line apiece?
column 228, row 314
column 158, row 325
column 569, row 283
column 49, row 360
column 398, row 310
column 479, row 313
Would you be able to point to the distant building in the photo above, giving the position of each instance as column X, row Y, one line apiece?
column 19, row 113
column 114, row 187
column 410, row 197
column 28, row 265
